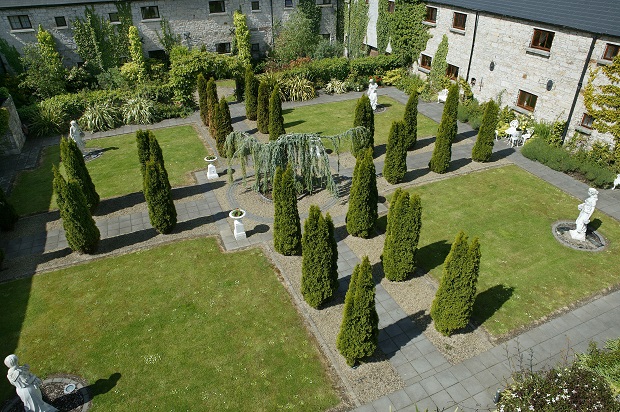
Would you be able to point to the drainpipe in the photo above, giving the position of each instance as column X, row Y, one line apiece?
column 473, row 42
column 579, row 86
column 272, row 34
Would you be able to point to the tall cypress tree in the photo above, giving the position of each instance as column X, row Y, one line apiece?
column 286, row 226
column 224, row 126
column 362, row 213
column 144, row 148
column 212, row 102
column 162, row 213
column 446, row 133
column 483, row 149
column 359, row 331
column 8, row 214
column 76, row 169
column 364, row 116
column 251, row 93
column 334, row 246
column 262, row 109
column 202, row 99
column 276, row 120
column 395, row 166
column 411, row 120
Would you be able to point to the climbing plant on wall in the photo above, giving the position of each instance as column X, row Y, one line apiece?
column 340, row 20
column 242, row 37
column 383, row 26
column 355, row 25
column 437, row 76
column 312, row 12
column 408, row 36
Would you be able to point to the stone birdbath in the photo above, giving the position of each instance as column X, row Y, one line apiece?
column 238, row 214
column 211, row 170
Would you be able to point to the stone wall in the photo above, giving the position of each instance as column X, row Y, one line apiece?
column 13, row 139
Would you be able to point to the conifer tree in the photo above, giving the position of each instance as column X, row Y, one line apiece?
column 212, row 102
column 446, row 133
column 251, row 93
column 362, row 213
column 483, row 148
column 395, row 166
column 411, row 120
column 80, row 228
column 262, row 108
column 144, row 148
column 224, row 126
column 319, row 280
column 202, row 99
column 276, row 120
column 8, row 214
column 454, row 301
column 364, row 116
column 76, row 169
column 334, row 246
column 359, row 331
column 162, row 213
column 286, row 226
column 156, row 155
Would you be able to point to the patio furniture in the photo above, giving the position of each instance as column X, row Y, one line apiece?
column 515, row 138
column 442, row 96
column 526, row 136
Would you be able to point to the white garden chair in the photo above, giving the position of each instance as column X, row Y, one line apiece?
column 527, row 136
column 442, row 96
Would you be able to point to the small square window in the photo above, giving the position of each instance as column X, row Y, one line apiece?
column 527, row 100
column 459, row 20
column 255, row 5
column 452, row 72
column 255, row 47
column 222, row 48
column 326, row 36
column 542, row 39
column 61, row 21
column 288, row 3
column 324, row 2
column 217, row 7
column 425, row 61
column 114, row 17
column 20, row 22
column 158, row 54
column 611, row 51
column 391, row 6
column 149, row 12
column 587, row 120
column 431, row 14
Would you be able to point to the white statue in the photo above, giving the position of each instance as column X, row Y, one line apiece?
column 585, row 212
column 372, row 94
column 27, row 386
column 76, row 134
column 616, row 182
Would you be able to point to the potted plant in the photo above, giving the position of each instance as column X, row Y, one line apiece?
column 210, row 158
column 236, row 213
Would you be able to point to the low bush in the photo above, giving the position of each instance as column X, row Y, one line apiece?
column 138, row 110
column 604, row 362
column 99, row 116
column 336, row 86
column 298, row 89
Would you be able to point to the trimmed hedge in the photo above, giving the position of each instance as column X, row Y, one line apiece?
column 286, row 226
column 442, row 153
column 362, row 213
column 411, row 120
column 224, row 126
column 364, row 116
column 251, row 93
column 202, row 99
column 276, row 119
column 262, row 111
column 395, row 166
column 73, row 162
column 483, row 148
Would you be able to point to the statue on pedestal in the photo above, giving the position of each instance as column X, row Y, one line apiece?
column 585, row 212
column 372, row 94
column 27, row 386
column 76, row 134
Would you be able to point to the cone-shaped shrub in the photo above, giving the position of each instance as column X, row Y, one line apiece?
column 402, row 236
column 363, row 197
column 80, row 228
column 276, row 120
column 395, row 166
column 286, row 226
column 483, row 149
column 446, row 133
column 212, row 102
column 8, row 214
column 334, row 245
column 454, row 301
column 364, row 116
column 162, row 213
column 359, row 331
column 202, row 99
column 144, row 148
column 156, row 155
column 224, row 126
column 411, row 120
column 251, row 93
column 319, row 280
column 262, row 108
column 74, row 164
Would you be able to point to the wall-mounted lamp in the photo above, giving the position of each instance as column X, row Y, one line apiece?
column 472, row 81
column 549, row 85
column 492, row 65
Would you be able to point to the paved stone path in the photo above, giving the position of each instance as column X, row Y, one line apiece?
column 431, row 381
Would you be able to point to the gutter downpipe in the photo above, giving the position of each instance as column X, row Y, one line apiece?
column 272, row 33
column 579, row 86
column 473, row 43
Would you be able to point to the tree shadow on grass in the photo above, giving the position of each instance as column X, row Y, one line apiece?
column 293, row 123
column 87, row 393
column 490, row 301
column 434, row 254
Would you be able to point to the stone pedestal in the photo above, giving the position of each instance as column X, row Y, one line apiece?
column 578, row 235
column 211, row 172
column 239, row 230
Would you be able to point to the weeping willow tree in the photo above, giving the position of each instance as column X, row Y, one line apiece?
column 305, row 152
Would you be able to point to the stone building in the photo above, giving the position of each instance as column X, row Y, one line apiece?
column 534, row 54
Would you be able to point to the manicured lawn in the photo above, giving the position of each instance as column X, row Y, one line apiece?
column 116, row 172
column 333, row 118
column 186, row 326
column 525, row 273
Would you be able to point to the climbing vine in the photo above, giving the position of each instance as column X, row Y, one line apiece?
column 312, row 12
column 408, row 36
column 340, row 20
column 242, row 37
column 437, row 76
column 383, row 26
column 355, row 24
column 167, row 37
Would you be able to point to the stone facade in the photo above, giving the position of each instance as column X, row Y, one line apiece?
column 13, row 139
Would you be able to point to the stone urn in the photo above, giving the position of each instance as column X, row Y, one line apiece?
column 238, row 214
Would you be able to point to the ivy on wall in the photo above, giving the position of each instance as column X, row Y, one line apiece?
column 356, row 22
column 340, row 7
column 312, row 12
column 437, row 76
column 383, row 26
column 242, row 37
column 408, row 36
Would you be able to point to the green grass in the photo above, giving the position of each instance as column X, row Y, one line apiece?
column 116, row 172
column 186, row 326
column 333, row 118
column 525, row 273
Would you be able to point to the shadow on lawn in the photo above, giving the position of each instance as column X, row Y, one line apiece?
column 490, row 301
column 293, row 123
column 433, row 255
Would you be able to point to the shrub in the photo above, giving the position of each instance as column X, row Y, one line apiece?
column 336, row 86
column 144, row 148
column 298, row 88
column 162, row 213
column 364, row 116
column 395, row 166
column 359, row 331
column 483, row 148
column 462, row 113
column 73, row 161
column 4, row 120
column 437, row 76
column 327, row 49
column 440, row 161
column 362, row 213
column 202, row 99
column 411, row 121
column 8, row 214
column 99, row 117
column 262, row 112
column 276, row 120
column 138, row 110
column 286, row 226
column 411, row 84
column 224, row 126
column 454, row 301
column 212, row 102
column 251, row 93
column 374, row 65
column 319, row 279
column 603, row 362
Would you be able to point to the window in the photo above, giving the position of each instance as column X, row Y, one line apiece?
column 459, row 20
column 542, row 39
column 326, row 36
column 425, row 61
column 324, row 2
column 587, row 121
column 217, row 7
column 288, row 3
column 60, row 21
column 526, row 100
column 255, row 47
column 222, row 48
column 158, row 54
column 20, row 22
column 255, row 5
column 114, row 17
column 611, row 51
column 431, row 14
column 391, row 6
column 452, row 72
column 149, row 12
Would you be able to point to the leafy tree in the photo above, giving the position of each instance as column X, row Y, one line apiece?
column 8, row 214
column 402, row 236
column 359, row 331
column 242, row 37
column 286, row 226
column 158, row 195
column 411, row 120
column 80, row 228
column 45, row 74
column 319, row 280
column 362, row 213
column 76, row 169
column 262, row 112
column 135, row 51
column 395, row 166
column 296, row 39
column 364, row 116
column 251, row 93
column 212, row 102
column 446, row 133
column 276, row 120
column 454, row 301
column 202, row 99
column 437, row 75
column 224, row 126
column 483, row 149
